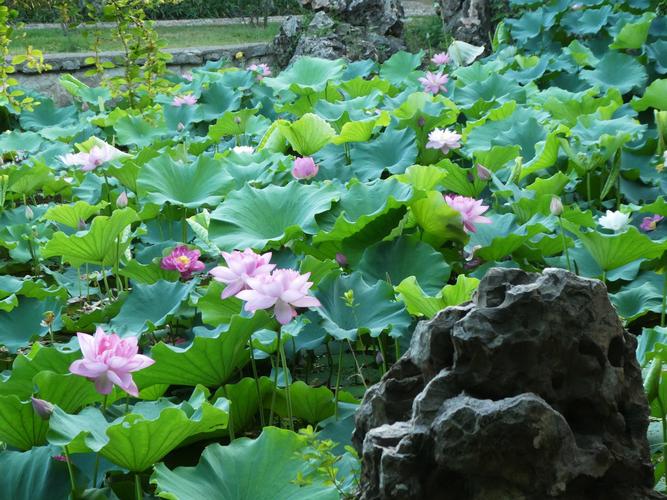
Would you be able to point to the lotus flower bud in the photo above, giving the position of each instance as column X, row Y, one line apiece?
column 43, row 408
column 304, row 168
column 483, row 173
column 29, row 214
column 122, row 201
column 82, row 225
column 341, row 259
column 556, row 206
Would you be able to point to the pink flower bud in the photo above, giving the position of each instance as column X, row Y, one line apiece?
column 82, row 225
column 483, row 173
column 122, row 201
column 304, row 168
column 43, row 408
column 341, row 260
column 556, row 206
column 29, row 214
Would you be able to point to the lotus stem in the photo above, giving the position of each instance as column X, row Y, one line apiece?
column 663, row 309
column 259, row 392
column 139, row 494
column 356, row 363
column 283, row 359
column 340, row 364
column 565, row 248
column 70, row 471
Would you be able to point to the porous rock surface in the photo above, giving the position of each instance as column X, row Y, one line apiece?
column 352, row 29
column 529, row 392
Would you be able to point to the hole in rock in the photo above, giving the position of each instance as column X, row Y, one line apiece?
column 615, row 351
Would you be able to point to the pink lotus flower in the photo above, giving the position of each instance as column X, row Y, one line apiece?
column 284, row 289
column 650, row 223
column 304, row 168
column 444, row 140
column 241, row 267
column 108, row 360
column 122, row 200
column 440, row 59
column 183, row 260
column 262, row 70
column 434, row 82
column 187, row 76
column 43, row 408
column 184, row 100
column 471, row 211
column 97, row 156
column 483, row 173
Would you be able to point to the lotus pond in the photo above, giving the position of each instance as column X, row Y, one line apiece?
column 197, row 287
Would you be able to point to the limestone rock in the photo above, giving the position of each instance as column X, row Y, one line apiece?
column 468, row 20
column 532, row 391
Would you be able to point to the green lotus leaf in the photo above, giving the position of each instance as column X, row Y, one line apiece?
column 20, row 426
column 308, row 134
column 437, row 219
column 215, row 100
column 136, row 130
column 97, row 246
column 192, row 185
column 635, row 302
column 149, row 306
column 33, row 474
column 23, row 323
column 423, row 177
column 148, row 274
column 20, row 141
column 208, row 361
column 359, row 206
column 71, row 215
column 307, row 75
column 461, row 181
column 420, row 304
column 394, row 150
column 531, row 24
column 606, row 74
column 655, row 96
column 47, row 114
column 374, row 309
column 142, row 437
column 311, row 404
column 657, row 52
column 214, row 310
column 399, row 66
column 252, row 218
column 231, row 472
column 613, row 251
column 586, row 21
column 633, row 34
column 359, row 131
column 481, row 95
column 231, row 123
column 402, row 258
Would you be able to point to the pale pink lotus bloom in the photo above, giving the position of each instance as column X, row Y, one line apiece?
column 440, row 59
column 183, row 260
column 444, row 140
column 97, row 156
column 243, row 150
column 471, row 210
column 262, row 70
column 187, row 76
column 184, row 100
column 304, row 168
column 650, row 223
column 241, row 267
column 284, row 290
column 434, row 82
column 108, row 360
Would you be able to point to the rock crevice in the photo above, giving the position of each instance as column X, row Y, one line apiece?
column 531, row 391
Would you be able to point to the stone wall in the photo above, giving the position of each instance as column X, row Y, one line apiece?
column 182, row 60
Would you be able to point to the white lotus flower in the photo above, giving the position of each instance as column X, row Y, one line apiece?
column 615, row 220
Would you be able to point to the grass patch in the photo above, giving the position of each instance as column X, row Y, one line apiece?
column 81, row 39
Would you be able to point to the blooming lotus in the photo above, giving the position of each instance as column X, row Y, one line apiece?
column 184, row 100
column 284, row 290
column 241, row 267
column 109, row 360
column 243, row 150
column 471, row 211
column 96, row 156
column 650, row 223
column 444, row 140
column 440, row 59
column 183, row 260
column 304, row 168
column 434, row 82
column 615, row 220
column 262, row 70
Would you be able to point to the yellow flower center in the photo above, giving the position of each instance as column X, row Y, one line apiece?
column 183, row 260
